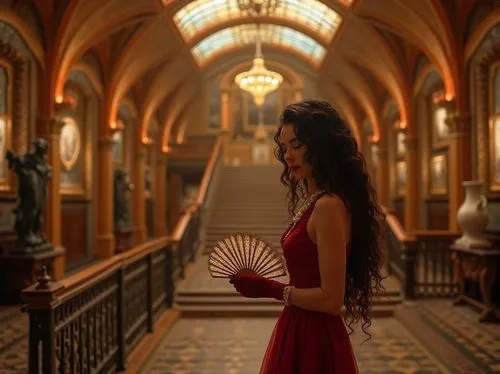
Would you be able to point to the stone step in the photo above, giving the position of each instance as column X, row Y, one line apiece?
column 235, row 305
column 259, row 311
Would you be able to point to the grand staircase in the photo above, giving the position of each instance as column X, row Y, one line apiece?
column 249, row 200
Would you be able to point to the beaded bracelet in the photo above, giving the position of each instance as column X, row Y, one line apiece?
column 286, row 295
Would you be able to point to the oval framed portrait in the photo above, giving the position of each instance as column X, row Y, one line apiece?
column 69, row 143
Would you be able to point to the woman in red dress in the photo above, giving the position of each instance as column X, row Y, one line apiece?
column 331, row 248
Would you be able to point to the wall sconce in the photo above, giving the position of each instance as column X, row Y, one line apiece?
column 147, row 140
column 118, row 125
column 64, row 103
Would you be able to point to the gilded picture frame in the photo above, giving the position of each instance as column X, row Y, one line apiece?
column 6, row 127
column 400, row 143
column 70, row 143
column 401, row 178
column 70, row 149
column 440, row 129
column 494, row 153
column 438, row 174
column 118, row 137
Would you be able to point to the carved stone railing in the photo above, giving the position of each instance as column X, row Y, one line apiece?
column 91, row 321
column 421, row 261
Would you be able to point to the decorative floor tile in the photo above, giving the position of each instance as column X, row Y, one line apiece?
column 230, row 345
column 459, row 325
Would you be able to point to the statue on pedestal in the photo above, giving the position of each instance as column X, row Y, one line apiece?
column 34, row 173
column 121, row 188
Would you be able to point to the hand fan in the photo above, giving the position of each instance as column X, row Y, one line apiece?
column 243, row 254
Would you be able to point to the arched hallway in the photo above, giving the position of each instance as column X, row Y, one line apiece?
column 133, row 136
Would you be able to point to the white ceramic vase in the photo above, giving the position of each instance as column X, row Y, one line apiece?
column 472, row 217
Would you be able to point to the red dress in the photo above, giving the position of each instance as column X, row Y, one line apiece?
column 303, row 341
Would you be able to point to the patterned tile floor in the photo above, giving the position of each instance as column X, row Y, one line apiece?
column 460, row 327
column 236, row 346
column 13, row 340
column 428, row 336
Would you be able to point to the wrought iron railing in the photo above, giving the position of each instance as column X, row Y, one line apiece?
column 91, row 321
column 421, row 261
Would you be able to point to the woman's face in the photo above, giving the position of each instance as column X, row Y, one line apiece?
column 294, row 153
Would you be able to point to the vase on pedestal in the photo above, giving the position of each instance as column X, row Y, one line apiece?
column 472, row 217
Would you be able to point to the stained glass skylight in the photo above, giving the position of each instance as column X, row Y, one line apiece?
column 198, row 15
column 270, row 34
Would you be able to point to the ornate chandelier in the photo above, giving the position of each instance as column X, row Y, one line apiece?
column 258, row 7
column 258, row 81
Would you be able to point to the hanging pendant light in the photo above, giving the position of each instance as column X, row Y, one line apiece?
column 258, row 81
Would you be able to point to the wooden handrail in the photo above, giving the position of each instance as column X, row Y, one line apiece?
column 396, row 227
column 181, row 226
column 73, row 284
column 207, row 175
column 435, row 233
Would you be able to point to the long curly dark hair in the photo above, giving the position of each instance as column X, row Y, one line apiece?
column 339, row 168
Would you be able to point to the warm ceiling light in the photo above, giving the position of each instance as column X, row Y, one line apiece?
column 258, row 81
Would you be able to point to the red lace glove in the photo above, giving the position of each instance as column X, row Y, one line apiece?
column 256, row 286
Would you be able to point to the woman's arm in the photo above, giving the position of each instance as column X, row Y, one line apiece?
column 329, row 223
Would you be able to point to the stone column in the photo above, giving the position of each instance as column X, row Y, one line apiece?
column 383, row 176
column 49, row 129
column 459, row 164
column 105, row 224
column 160, row 200
column 226, row 118
column 139, row 210
column 174, row 197
column 224, row 110
column 411, row 197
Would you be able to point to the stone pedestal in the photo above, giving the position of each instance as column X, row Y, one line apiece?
column 124, row 238
column 19, row 270
column 477, row 268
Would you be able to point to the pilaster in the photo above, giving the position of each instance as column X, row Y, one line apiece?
column 139, row 207
column 105, row 236
column 161, row 191
column 460, row 163
column 411, row 198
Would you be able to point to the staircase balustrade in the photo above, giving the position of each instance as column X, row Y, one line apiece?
column 421, row 261
column 92, row 320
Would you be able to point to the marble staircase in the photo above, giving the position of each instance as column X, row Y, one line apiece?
column 248, row 200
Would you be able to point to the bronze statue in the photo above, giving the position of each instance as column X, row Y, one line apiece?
column 121, row 188
column 33, row 172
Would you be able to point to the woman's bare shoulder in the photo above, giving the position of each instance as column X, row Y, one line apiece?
column 330, row 204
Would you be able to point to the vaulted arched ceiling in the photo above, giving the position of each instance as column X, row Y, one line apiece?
column 332, row 38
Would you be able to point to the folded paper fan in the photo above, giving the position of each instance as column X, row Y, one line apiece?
column 244, row 254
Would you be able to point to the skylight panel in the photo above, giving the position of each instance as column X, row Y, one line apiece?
column 270, row 34
column 198, row 15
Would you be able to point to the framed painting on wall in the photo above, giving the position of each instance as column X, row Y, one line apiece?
column 5, row 123
column 400, row 178
column 70, row 146
column 494, row 153
column 3, row 149
column 439, row 175
column 440, row 129
column 261, row 153
column 400, row 143
column 70, row 143
column 117, row 148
